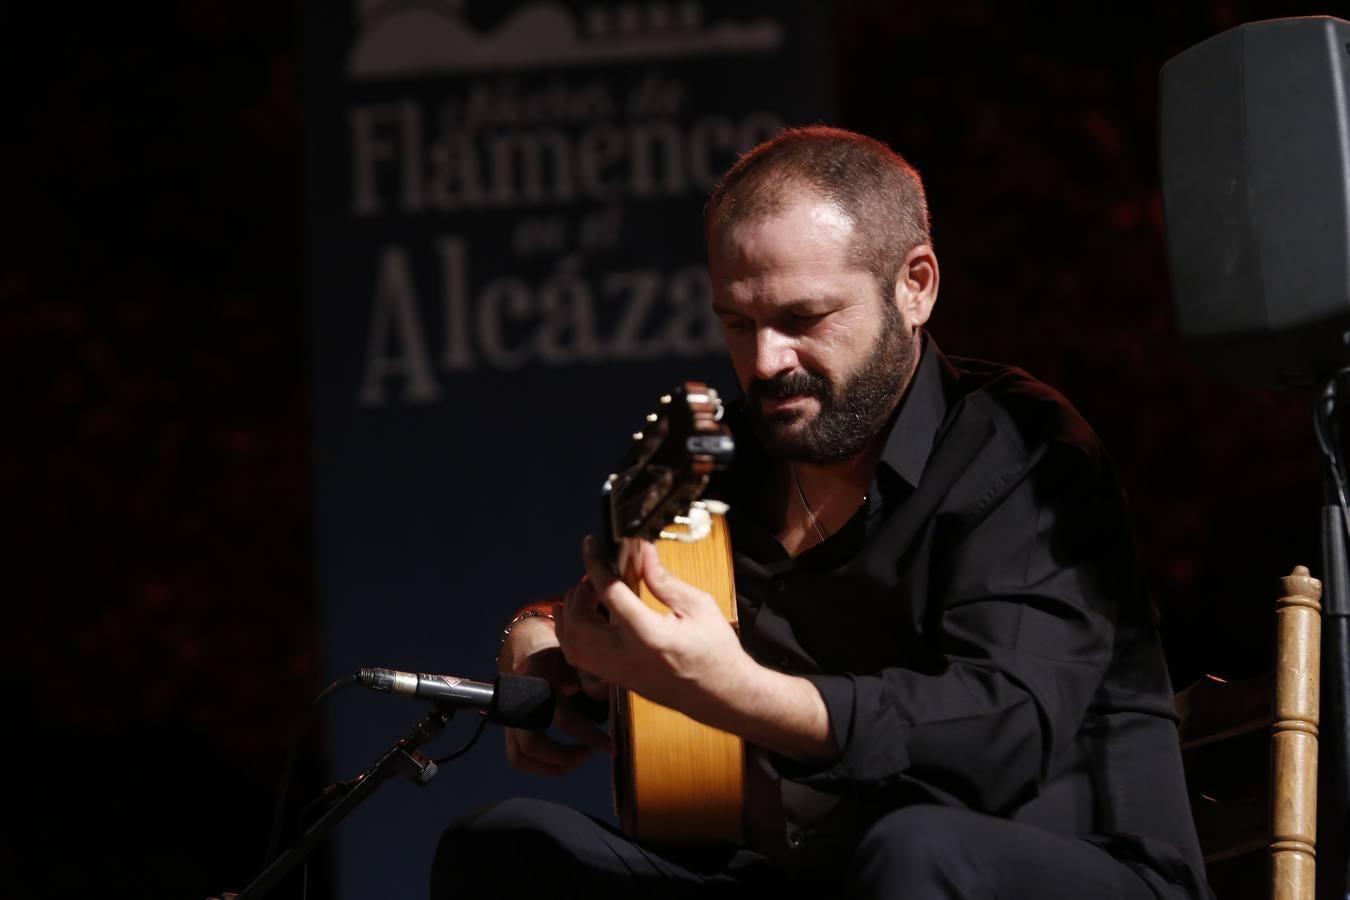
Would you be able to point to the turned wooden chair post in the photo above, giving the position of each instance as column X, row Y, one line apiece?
column 1293, row 814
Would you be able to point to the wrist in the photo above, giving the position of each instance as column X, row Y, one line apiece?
column 781, row 712
column 738, row 692
column 524, row 636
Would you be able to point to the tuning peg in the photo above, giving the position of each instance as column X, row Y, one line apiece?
column 637, row 435
column 652, row 417
column 665, row 399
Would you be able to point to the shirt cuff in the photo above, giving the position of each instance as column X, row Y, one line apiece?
column 839, row 693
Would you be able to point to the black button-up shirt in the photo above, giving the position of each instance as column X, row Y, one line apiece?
column 976, row 632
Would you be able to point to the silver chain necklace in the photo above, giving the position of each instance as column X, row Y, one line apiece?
column 810, row 513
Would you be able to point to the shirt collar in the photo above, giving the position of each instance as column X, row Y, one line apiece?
column 922, row 410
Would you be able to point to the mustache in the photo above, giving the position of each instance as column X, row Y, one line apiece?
column 788, row 384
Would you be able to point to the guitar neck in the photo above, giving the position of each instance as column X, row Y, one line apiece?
column 628, row 560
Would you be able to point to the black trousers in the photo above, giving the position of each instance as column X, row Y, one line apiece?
column 530, row 848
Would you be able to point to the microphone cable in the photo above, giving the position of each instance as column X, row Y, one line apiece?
column 468, row 745
column 1326, row 426
column 278, row 811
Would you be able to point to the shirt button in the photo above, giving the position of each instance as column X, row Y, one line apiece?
column 794, row 841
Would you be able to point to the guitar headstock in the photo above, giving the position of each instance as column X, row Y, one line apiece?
column 668, row 466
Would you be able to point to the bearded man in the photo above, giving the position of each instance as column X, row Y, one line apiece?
column 946, row 674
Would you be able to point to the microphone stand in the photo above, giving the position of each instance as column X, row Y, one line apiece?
column 401, row 758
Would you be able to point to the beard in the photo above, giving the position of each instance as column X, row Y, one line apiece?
column 852, row 413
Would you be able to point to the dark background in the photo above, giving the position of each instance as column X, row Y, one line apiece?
column 158, row 645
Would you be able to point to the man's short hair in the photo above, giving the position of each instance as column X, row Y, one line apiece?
column 871, row 183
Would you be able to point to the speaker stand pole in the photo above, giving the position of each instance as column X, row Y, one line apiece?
column 1334, row 827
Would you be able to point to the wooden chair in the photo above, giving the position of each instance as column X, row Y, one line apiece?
column 1240, row 815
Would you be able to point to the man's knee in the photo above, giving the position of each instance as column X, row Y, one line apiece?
column 516, row 815
column 924, row 847
column 489, row 843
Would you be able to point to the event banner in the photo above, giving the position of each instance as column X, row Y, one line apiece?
column 503, row 217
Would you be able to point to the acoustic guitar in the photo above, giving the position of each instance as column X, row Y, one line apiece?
column 676, row 781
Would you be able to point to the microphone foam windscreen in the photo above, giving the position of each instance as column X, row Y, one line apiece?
column 522, row 701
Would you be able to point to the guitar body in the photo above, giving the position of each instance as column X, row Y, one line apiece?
column 677, row 781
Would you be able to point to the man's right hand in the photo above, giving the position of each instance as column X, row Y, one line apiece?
column 532, row 649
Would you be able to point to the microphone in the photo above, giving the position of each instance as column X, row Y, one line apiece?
column 517, row 701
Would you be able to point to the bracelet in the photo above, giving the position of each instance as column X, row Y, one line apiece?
column 528, row 613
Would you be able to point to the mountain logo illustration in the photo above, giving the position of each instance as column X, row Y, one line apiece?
column 400, row 38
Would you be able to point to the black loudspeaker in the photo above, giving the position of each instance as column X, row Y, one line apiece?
column 1255, row 154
